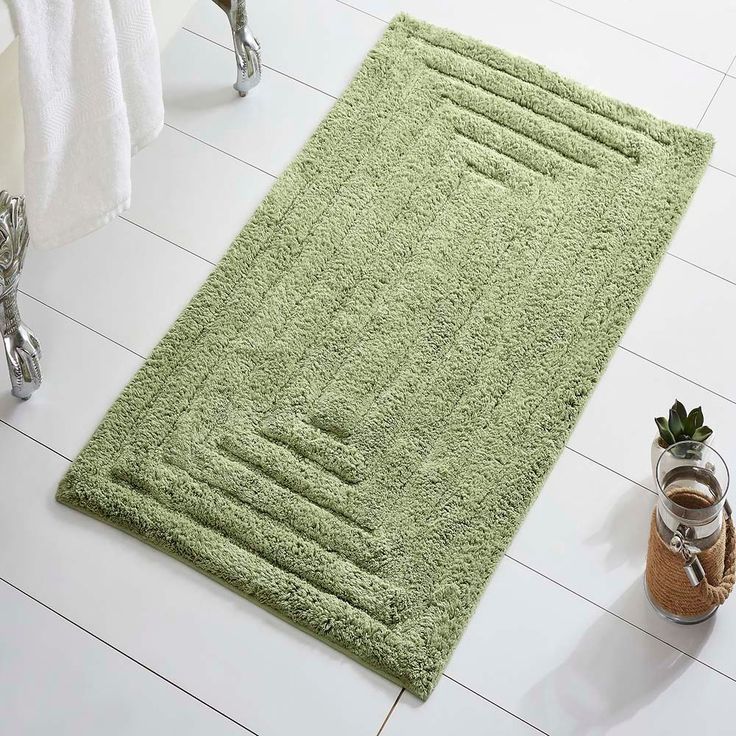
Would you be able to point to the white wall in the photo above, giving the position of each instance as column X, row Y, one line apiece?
column 168, row 15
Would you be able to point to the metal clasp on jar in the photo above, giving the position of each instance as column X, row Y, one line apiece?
column 693, row 567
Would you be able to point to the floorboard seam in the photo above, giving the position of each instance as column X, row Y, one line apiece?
column 390, row 712
column 492, row 702
column 221, row 150
column 675, row 373
column 710, row 102
column 611, row 470
column 715, row 94
column 265, row 66
column 166, row 240
column 723, row 171
column 619, row 617
column 127, row 656
column 33, row 439
column 637, row 37
column 701, row 268
column 360, row 10
column 595, row 20
column 81, row 324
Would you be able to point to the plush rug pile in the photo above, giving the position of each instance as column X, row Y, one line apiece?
column 349, row 421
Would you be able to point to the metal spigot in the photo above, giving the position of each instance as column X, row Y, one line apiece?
column 247, row 48
column 693, row 566
column 22, row 351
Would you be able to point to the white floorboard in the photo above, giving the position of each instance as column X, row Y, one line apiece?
column 703, row 32
column 601, row 524
column 453, row 709
column 267, row 130
column 563, row 641
column 719, row 120
column 133, row 283
column 83, row 374
column 194, row 195
column 568, row 667
column 706, row 235
column 617, row 426
column 670, row 331
column 57, row 679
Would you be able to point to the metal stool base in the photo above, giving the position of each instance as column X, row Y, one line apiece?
column 22, row 351
column 247, row 48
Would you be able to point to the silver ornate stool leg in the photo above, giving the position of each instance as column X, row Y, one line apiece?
column 247, row 49
column 22, row 350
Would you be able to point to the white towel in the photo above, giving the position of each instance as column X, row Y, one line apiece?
column 90, row 84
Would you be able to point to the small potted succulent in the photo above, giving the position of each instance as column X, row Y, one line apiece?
column 679, row 425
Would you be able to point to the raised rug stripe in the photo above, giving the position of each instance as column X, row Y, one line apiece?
column 305, row 478
column 280, row 546
column 289, row 505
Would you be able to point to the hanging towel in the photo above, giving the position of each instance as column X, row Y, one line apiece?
column 90, row 84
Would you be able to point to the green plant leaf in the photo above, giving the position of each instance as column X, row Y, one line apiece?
column 694, row 420
column 664, row 431
column 675, row 424
column 681, row 411
column 701, row 434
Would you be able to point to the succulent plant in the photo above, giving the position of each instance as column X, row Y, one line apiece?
column 680, row 425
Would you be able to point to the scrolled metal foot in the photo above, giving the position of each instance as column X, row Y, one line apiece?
column 247, row 48
column 23, row 354
column 22, row 351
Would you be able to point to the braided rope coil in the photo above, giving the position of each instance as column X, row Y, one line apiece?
column 668, row 584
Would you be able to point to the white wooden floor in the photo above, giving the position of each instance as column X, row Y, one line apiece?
column 100, row 634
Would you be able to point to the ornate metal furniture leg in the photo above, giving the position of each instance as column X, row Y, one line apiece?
column 22, row 350
column 247, row 49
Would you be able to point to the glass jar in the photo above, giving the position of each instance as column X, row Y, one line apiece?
column 692, row 482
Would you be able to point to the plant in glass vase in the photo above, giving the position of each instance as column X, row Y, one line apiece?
column 677, row 426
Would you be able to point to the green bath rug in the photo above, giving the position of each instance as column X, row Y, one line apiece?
column 349, row 421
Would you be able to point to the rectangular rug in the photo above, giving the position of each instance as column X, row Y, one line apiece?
column 349, row 421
